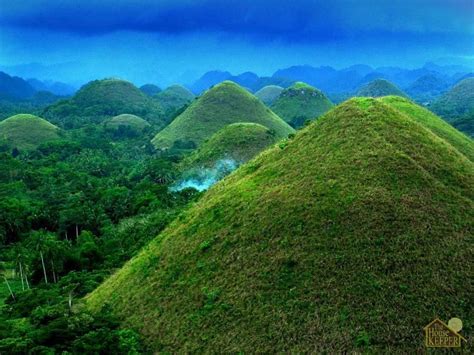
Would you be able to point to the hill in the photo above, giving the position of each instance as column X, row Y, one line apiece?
column 101, row 99
column 126, row 121
column 218, row 107
column 150, row 89
column 427, row 87
column 237, row 141
column 269, row 94
column 299, row 103
column 174, row 97
column 14, row 88
column 27, row 132
column 378, row 88
column 350, row 237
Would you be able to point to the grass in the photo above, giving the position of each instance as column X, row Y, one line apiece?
column 351, row 237
column 174, row 97
column 134, row 122
column 379, row 88
column 237, row 141
column 269, row 94
column 299, row 103
column 220, row 106
column 27, row 132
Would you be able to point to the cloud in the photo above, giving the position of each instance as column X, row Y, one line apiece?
column 313, row 20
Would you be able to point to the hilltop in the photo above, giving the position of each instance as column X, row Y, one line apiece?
column 269, row 94
column 150, row 89
column 174, row 97
column 102, row 99
column 27, row 132
column 299, row 103
column 345, row 238
column 427, row 87
column 237, row 141
column 126, row 121
column 218, row 107
column 378, row 88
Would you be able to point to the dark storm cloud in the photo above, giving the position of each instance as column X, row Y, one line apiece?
column 276, row 19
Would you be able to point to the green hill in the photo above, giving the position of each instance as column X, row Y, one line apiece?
column 174, row 97
column 218, row 107
column 350, row 237
column 378, row 88
column 269, row 94
column 457, row 106
column 102, row 99
column 150, row 89
column 299, row 103
column 237, row 141
column 127, row 121
column 27, row 132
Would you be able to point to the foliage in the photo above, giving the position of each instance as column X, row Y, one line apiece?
column 269, row 94
column 379, row 88
column 173, row 98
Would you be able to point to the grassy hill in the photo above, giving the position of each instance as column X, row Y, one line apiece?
column 150, row 89
column 237, row 141
column 174, row 97
column 269, row 94
column 218, row 107
column 102, row 99
column 131, row 122
column 299, row 103
column 457, row 106
column 26, row 132
column 350, row 237
column 427, row 87
column 379, row 88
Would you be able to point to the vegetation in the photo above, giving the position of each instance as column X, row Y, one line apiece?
column 299, row 103
column 269, row 94
column 237, row 141
column 150, row 89
column 101, row 99
column 426, row 88
column 379, row 88
column 349, row 237
column 174, row 98
column 71, row 212
column 220, row 106
column 26, row 132
column 457, row 106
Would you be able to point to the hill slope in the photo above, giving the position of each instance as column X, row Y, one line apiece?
column 269, row 94
column 102, row 99
column 27, row 132
column 221, row 105
column 237, row 141
column 174, row 97
column 378, row 88
column 427, row 87
column 300, row 102
column 356, row 233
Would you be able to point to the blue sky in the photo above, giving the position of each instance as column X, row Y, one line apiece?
column 165, row 41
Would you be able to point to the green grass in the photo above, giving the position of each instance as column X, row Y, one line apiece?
column 27, row 132
column 299, row 103
column 174, row 97
column 438, row 126
column 100, row 100
column 269, row 94
column 218, row 107
column 379, row 88
column 133, row 122
column 350, row 237
column 238, row 141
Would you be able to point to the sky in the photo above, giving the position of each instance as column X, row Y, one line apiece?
column 166, row 41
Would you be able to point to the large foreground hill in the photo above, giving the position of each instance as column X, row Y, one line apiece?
column 352, row 236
